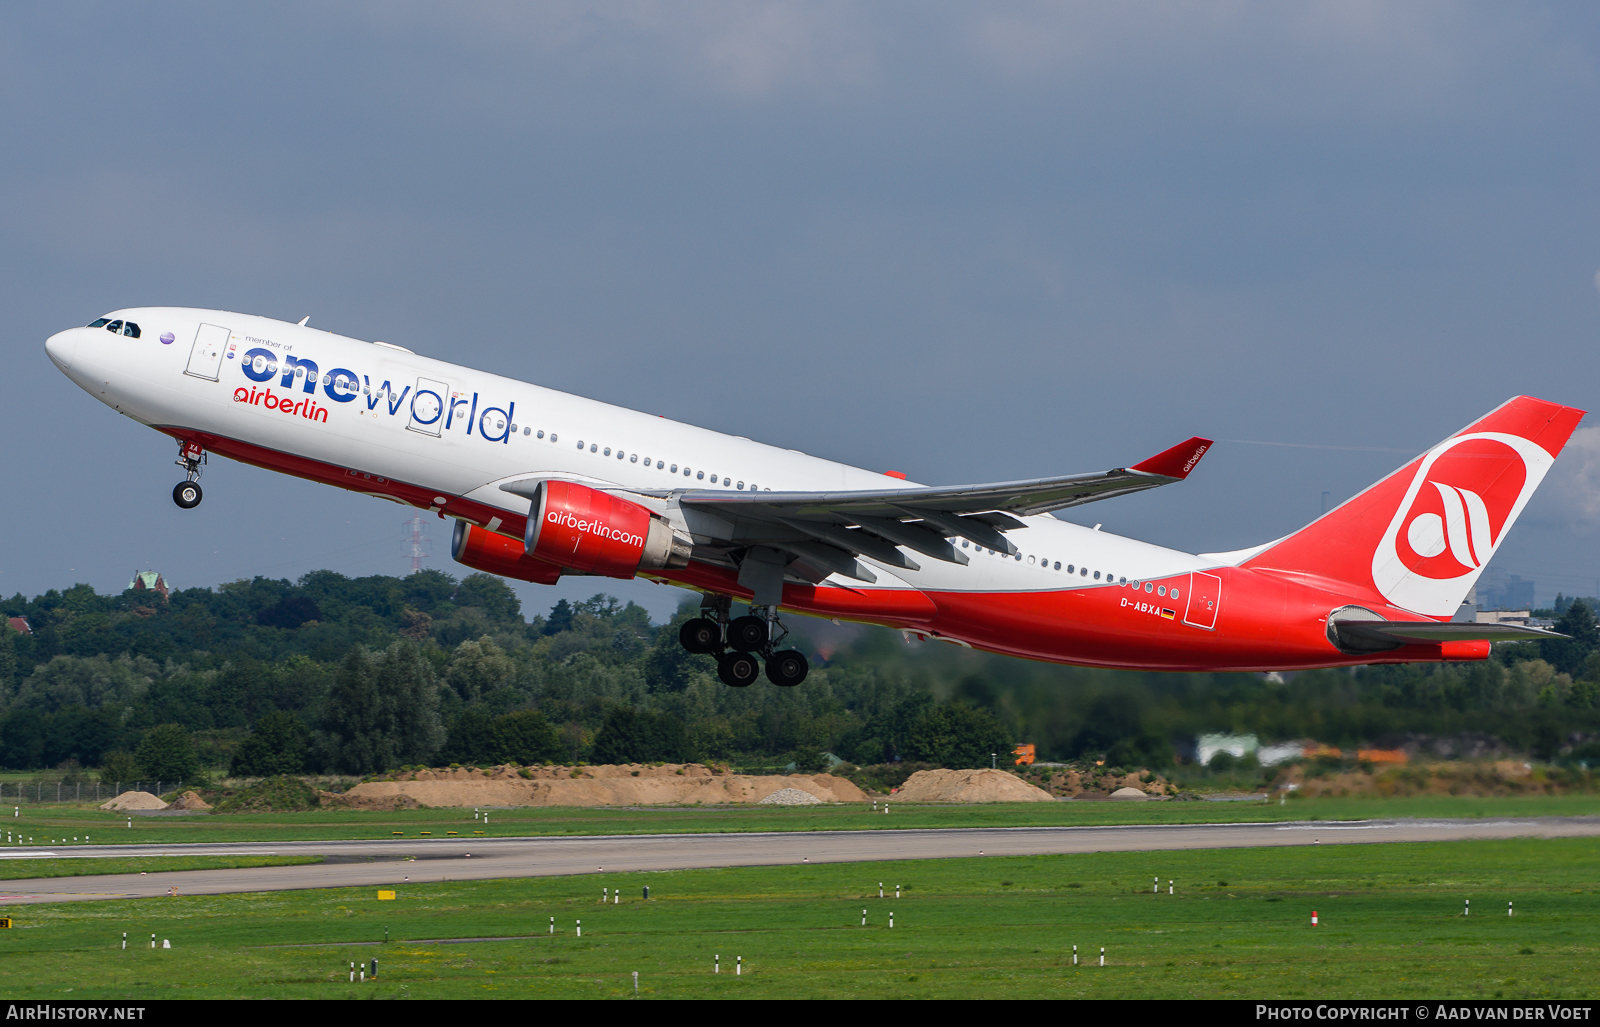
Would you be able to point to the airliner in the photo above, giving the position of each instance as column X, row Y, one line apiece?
column 542, row 484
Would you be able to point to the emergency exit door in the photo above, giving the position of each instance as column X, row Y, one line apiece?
column 205, row 360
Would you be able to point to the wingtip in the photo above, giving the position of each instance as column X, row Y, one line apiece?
column 1176, row 462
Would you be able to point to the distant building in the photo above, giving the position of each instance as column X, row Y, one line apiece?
column 1240, row 746
column 149, row 581
column 19, row 625
column 1504, row 616
column 1513, row 593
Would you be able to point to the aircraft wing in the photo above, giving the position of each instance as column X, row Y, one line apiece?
column 815, row 534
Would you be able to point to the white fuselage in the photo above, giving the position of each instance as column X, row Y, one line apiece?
column 461, row 432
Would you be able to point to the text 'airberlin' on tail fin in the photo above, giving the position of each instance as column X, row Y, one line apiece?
column 1420, row 538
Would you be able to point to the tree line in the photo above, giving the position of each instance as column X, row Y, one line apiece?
column 330, row 674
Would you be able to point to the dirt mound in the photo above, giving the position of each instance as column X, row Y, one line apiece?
column 969, row 786
column 625, row 785
column 1129, row 793
column 1500, row 777
column 790, row 797
column 189, row 800
column 134, row 800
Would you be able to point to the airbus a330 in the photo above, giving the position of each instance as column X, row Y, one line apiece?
column 543, row 484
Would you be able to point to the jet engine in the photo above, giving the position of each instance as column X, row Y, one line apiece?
column 584, row 529
column 485, row 550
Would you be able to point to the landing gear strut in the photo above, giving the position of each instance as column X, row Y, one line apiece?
column 743, row 644
column 187, row 493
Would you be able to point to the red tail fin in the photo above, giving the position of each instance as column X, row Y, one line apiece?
column 1420, row 538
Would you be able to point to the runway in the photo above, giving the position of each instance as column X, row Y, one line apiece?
column 383, row 863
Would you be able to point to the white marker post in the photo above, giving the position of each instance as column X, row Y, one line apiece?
column 1169, row 888
column 716, row 963
column 880, row 889
column 863, row 918
column 152, row 941
column 738, row 967
column 1467, row 909
column 1508, row 909
column 605, row 895
column 616, row 897
column 124, row 941
column 352, row 973
column 897, row 891
column 636, row 984
column 891, row 920
column 552, row 925
column 1155, row 886
column 1074, row 955
column 580, row 928
column 1102, row 955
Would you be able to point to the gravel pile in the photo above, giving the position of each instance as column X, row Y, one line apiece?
column 790, row 797
column 135, row 800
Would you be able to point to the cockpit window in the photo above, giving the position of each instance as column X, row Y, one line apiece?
column 99, row 322
column 127, row 328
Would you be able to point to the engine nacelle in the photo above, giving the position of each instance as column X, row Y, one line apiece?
column 484, row 550
column 584, row 529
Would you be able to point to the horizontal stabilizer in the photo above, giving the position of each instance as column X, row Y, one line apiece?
column 1381, row 635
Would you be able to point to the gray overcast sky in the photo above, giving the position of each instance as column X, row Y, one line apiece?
column 966, row 241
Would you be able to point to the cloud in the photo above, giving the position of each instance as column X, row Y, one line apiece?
column 746, row 50
column 1570, row 496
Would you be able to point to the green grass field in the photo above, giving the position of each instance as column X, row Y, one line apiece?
column 65, row 821
column 22, row 869
column 1239, row 926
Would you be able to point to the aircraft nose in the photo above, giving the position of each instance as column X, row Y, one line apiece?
column 62, row 347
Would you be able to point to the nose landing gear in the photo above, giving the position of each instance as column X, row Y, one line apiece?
column 752, row 640
column 191, row 458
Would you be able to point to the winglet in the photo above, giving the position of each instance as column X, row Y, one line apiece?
column 1176, row 462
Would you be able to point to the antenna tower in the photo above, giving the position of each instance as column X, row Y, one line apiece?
column 418, row 545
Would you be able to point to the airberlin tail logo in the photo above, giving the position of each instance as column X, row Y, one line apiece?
column 1464, row 497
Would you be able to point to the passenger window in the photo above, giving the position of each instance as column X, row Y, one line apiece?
column 130, row 329
column 635, row 459
column 699, row 476
column 674, row 468
column 713, row 479
column 1174, row 593
column 1097, row 575
column 1147, row 586
column 1058, row 565
column 1161, row 590
column 608, row 451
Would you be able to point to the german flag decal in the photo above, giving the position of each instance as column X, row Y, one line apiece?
column 1168, row 614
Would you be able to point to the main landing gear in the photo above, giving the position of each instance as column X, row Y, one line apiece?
column 742, row 645
column 187, row 493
